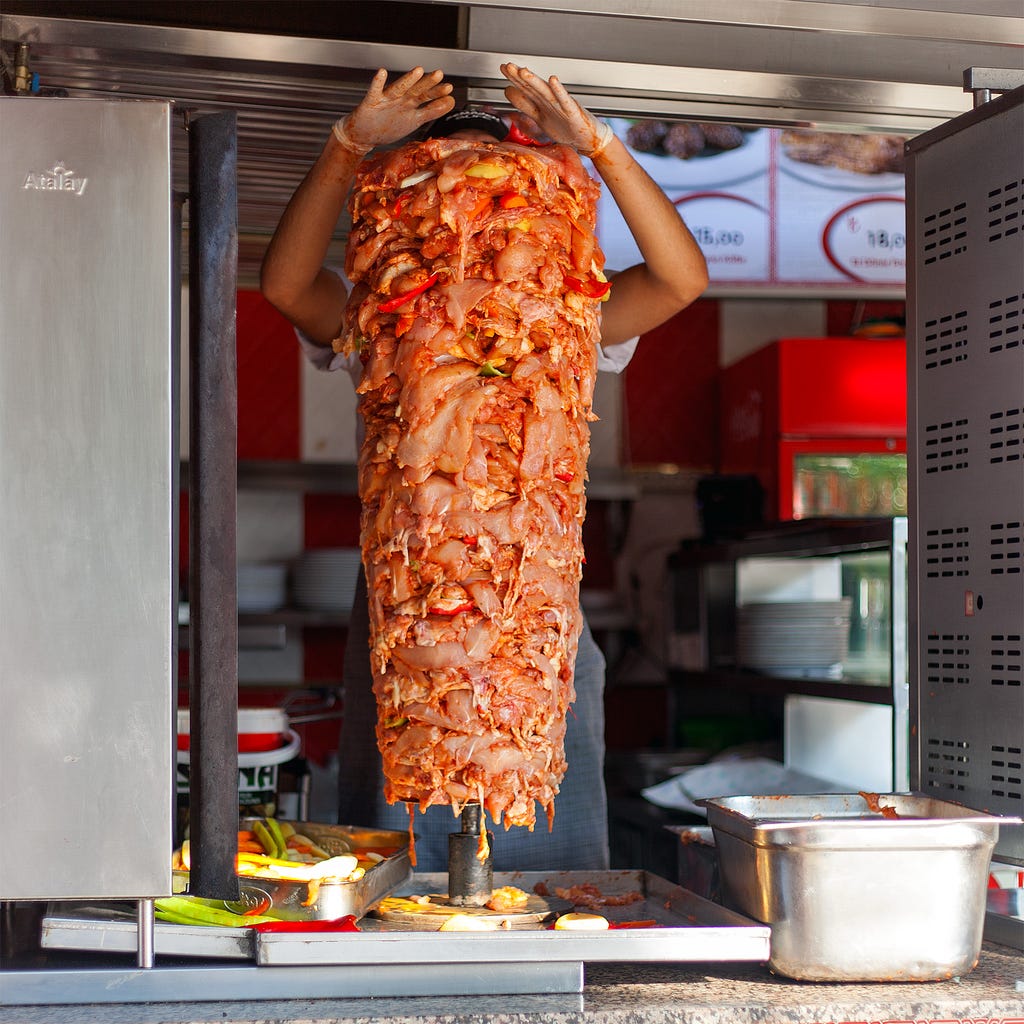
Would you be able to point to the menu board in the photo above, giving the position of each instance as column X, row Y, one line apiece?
column 778, row 207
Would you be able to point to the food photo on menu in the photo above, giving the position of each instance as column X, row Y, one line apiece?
column 839, row 208
column 717, row 175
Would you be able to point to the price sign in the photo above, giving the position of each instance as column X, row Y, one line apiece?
column 866, row 240
column 762, row 218
column 732, row 232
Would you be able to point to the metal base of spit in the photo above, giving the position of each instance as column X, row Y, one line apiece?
column 248, row 983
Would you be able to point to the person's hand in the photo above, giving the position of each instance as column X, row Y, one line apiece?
column 562, row 118
column 388, row 113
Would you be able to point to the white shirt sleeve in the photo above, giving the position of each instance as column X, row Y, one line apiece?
column 324, row 357
column 615, row 358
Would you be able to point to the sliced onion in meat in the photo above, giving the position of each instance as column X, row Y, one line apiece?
column 415, row 179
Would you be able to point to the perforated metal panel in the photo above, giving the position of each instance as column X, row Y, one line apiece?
column 965, row 216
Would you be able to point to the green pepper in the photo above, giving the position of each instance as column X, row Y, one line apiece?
column 190, row 910
column 488, row 369
column 278, row 836
column 266, row 838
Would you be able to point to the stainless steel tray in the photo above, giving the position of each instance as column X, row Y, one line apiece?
column 334, row 899
column 106, row 929
column 855, row 895
column 689, row 929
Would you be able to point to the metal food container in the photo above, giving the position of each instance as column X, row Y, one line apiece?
column 858, row 887
column 333, row 899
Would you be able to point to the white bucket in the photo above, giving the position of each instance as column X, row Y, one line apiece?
column 257, row 772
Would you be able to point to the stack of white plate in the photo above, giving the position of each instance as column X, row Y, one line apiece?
column 262, row 586
column 324, row 579
column 794, row 638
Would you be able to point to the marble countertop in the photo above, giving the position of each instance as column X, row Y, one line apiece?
column 614, row 994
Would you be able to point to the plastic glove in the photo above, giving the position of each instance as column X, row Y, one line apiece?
column 562, row 118
column 388, row 113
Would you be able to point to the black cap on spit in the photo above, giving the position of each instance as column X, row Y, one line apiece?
column 466, row 120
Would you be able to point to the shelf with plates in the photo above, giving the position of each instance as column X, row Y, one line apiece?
column 757, row 684
column 854, row 568
column 746, row 629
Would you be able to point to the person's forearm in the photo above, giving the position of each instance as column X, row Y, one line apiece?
column 673, row 272
column 291, row 277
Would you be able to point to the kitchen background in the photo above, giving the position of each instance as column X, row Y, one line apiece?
column 661, row 431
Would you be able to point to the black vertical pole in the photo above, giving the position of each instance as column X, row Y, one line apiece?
column 213, row 466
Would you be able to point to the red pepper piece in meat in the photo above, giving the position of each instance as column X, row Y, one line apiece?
column 400, row 300
column 483, row 204
column 516, row 134
column 510, row 200
column 591, row 289
column 451, row 609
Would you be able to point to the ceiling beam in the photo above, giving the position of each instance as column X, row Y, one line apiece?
column 607, row 86
column 795, row 15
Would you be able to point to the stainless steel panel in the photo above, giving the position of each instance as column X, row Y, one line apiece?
column 103, row 930
column 923, row 47
column 999, row 23
column 965, row 318
column 556, row 985
column 88, row 509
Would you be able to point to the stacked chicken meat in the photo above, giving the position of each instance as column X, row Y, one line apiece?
column 475, row 312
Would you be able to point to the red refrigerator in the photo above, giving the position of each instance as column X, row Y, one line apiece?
column 822, row 423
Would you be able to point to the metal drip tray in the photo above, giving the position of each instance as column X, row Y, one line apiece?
column 687, row 928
